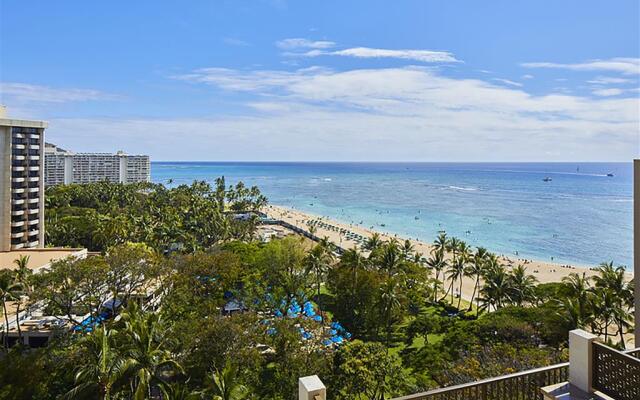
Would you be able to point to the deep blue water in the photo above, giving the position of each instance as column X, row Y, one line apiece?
column 582, row 216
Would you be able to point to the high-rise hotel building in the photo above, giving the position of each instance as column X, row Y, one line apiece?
column 65, row 167
column 21, row 183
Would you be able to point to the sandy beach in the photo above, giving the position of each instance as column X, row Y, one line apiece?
column 335, row 231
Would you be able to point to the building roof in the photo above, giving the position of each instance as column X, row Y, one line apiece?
column 23, row 123
column 38, row 258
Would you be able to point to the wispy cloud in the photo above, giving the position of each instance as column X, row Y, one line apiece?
column 507, row 82
column 606, row 80
column 235, row 41
column 627, row 66
column 426, row 56
column 300, row 43
column 407, row 113
column 28, row 93
column 608, row 92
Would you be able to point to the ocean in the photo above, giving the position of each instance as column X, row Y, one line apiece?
column 581, row 216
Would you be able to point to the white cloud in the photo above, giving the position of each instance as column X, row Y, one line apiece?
column 606, row 80
column 608, row 92
column 627, row 66
column 427, row 56
column 508, row 82
column 408, row 113
column 527, row 76
column 300, row 43
column 27, row 93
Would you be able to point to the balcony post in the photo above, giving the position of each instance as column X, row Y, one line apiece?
column 581, row 359
column 311, row 388
column 636, row 246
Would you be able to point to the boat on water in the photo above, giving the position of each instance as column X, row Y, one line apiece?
column 610, row 174
column 547, row 179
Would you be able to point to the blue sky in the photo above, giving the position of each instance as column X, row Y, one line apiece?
column 332, row 80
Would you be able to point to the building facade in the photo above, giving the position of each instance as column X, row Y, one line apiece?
column 21, row 183
column 65, row 167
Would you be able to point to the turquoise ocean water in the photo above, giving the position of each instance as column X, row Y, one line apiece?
column 581, row 216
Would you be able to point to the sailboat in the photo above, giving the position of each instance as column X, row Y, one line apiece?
column 547, row 179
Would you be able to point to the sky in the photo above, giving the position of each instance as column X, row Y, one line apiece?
column 285, row 80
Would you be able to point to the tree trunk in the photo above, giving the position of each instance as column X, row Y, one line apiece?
column 6, row 325
column 18, row 323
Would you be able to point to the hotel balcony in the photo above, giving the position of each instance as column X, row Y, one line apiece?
column 34, row 157
column 33, row 211
column 17, row 235
column 18, row 168
column 20, row 179
column 34, row 178
column 17, row 224
column 18, row 135
column 17, row 190
column 19, row 146
column 19, row 157
column 34, row 221
column 33, row 232
column 33, row 201
column 34, row 146
column 34, row 168
column 17, row 213
column 594, row 372
column 34, row 243
column 34, row 189
column 34, row 136
column 17, row 202
column 17, row 246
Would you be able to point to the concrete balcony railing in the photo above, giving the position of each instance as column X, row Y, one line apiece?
column 18, row 168
column 34, row 222
column 17, row 213
column 16, row 224
column 33, row 232
column 34, row 243
column 34, row 136
column 18, row 180
column 34, row 146
column 34, row 168
column 34, row 190
column 17, row 235
column 18, row 135
column 18, row 146
column 18, row 190
column 19, row 157
column 17, row 246
column 34, row 211
column 33, row 201
column 34, row 157
column 17, row 202
column 34, row 178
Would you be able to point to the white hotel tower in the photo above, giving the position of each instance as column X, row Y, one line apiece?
column 21, row 183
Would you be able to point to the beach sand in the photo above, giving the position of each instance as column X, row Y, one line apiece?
column 543, row 271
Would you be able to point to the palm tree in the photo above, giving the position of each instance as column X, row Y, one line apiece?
column 318, row 261
column 10, row 290
column 373, row 243
column 226, row 384
column 495, row 290
column 476, row 269
column 521, row 286
column 578, row 289
column 103, row 369
column 612, row 281
column 22, row 275
column 441, row 243
column 148, row 361
column 438, row 263
column 407, row 249
column 389, row 301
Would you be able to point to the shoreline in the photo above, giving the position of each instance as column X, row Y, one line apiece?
column 544, row 271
